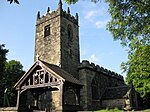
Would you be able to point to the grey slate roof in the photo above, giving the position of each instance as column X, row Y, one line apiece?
column 116, row 92
column 68, row 77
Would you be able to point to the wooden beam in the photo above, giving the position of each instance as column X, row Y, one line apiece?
column 41, row 85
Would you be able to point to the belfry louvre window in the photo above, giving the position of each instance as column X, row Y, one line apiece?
column 47, row 30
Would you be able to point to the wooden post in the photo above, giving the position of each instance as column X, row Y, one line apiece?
column 33, row 79
column 44, row 76
column 18, row 99
column 61, row 93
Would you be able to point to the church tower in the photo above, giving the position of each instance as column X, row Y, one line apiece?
column 57, row 39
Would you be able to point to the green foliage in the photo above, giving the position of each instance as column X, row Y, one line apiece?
column 3, row 59
column 10, row 72
column 130, row 21
column 71, row 1
column 139, row 70
column 13, row 72
column 117, row 110
column 15, row 1
column 74, row 1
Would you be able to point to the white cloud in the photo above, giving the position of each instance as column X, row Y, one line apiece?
column 93, row 58
column 89, row 15
column 101, row 24
column 99, row 17
column 92, row 14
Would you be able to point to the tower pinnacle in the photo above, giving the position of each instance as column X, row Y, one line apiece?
column 68, row 10
column 48, row 9
column 60, row 4
column 38, row 15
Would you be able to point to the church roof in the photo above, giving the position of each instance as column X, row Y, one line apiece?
column 65, row 75
column 55, row 70
column 116, row 92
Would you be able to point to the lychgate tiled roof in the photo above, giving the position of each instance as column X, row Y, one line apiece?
column 68, row 77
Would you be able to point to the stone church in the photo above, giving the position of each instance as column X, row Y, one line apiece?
column 58, row 81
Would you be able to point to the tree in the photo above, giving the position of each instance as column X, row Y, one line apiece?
column 74, row 1
column 3, row 59
column 10, row 72
column 139, row 72
column 130, row 24
column 130, row 21
column 13, row 72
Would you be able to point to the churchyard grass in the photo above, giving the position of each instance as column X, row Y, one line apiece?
column 110, row 110
column 117, row 110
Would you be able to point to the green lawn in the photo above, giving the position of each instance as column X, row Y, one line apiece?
column 117, row 110
column 110, row 110
column 148, row 110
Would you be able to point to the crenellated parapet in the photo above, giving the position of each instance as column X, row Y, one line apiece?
column 59, row 12
column 87, row 65
column 68, row 16
column 47, row 16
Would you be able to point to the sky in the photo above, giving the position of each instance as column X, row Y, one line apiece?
column 17, row 32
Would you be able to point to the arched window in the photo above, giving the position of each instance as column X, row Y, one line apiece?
column 70, row 39
column 94, row 89
column 70, row 97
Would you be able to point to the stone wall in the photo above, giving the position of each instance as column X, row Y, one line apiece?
column 56, row 100
column 48, row 48
column 8, row 109
column 112, row 103
column 85, row 76
column 89, row 72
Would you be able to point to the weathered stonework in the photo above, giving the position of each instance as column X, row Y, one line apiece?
column 104, row 78
column 54, row 48
column 120, row 103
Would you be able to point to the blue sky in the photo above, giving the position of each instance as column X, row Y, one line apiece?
column 17, row 31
